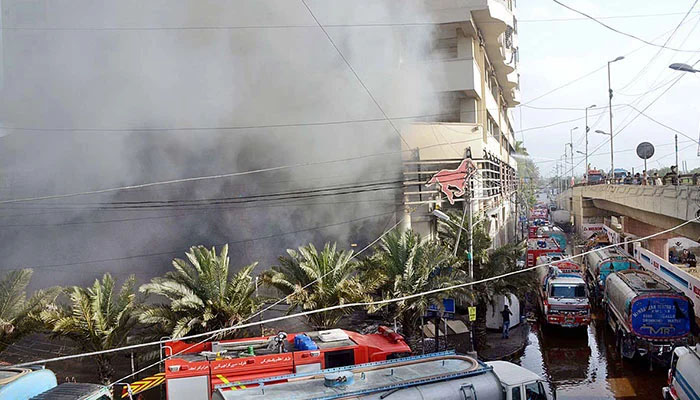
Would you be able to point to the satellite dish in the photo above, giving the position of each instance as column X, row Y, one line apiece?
column 645, row 150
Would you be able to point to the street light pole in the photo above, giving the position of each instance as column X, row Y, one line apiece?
column 610, row 96
column 587, row 129
column 571, row 137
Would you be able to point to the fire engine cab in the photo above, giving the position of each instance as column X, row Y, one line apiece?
column 195, row 370
column 540, row 246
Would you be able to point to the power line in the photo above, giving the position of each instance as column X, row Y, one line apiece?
column 279, row 301
column 638, row 114
column 587, row 74
column 359, row 304
column 340, row 53
column 621, row 32
column 307, row 26
column 145, row 255
column 387, row 201
column 668, row 39
column 226, row 175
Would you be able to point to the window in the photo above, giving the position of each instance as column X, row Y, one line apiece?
column 515, row 394
column 568, row 291
column 535, row 391
column 339, row 358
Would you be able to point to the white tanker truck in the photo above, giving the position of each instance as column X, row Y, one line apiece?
column 444, row 376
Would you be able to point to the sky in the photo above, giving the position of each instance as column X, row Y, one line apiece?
column 553, row 53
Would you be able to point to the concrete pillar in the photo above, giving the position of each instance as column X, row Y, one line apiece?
column 658, row 247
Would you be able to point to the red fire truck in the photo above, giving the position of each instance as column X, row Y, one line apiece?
column 195, row 370
column 540, row 246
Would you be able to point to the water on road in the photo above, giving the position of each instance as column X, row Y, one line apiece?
column 583, row 364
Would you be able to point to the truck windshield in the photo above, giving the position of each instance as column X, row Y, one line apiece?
column 568, row 291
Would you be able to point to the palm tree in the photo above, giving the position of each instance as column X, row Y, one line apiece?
column 520, row 148
column 202, row 296
column 528, row 170
column 96, row 318
column 19, row 316
column 488, row 264
column 311, row 279
column 406, row 264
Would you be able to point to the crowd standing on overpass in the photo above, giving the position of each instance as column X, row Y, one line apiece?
column 670, row 178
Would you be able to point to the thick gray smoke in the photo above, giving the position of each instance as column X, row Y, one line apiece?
column 146, row 82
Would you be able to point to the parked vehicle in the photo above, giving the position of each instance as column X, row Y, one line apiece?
column 554, row 232
column 620, row 174
column 598, row 240
column 602, row 263
column 648, row 316
column 684, row 374
column 76, row 391
column 37, row 383
column 540, row 246
column 595, row 177
column 562, row 219
column 444, row 376
column 562, row 296
column 196, row 369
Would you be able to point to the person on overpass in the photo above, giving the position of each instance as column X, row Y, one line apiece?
column 628, row 179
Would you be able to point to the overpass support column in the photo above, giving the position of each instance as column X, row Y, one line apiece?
column 657, row 245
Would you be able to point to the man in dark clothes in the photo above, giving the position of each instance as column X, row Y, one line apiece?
column 506, row 321
column 671, row 177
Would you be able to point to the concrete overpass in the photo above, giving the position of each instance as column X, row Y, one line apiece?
column 662, row 207
column 644, row 210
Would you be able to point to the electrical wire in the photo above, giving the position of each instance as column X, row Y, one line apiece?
column 639, row 112
column 164, row 253
column 624, row 33
column 226, row 175
column 306, row 26
column 602, row 67
column 279, row 301
column 658, row 52
column 340, row 53
column 352, row 305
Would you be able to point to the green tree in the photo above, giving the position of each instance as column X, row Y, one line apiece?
column 202, row 296
column 406, row 264
column 529, row 174
column 96, row 318
column 338, row 282
column 19, row 315
column 488, row 264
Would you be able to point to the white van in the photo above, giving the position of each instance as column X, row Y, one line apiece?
column 684, row 374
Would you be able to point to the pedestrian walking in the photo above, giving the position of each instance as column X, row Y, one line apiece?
column 657, row 179
column 506, row 321
column 645, row 178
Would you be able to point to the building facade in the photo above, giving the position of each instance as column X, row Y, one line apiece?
column 477, row 55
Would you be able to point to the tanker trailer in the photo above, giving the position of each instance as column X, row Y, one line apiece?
column 648, row 316
column 562, row 219
column 444, row 376
column 600, row 264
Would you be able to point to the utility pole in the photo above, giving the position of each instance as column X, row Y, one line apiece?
column 587, row 129
column 676, row 151
column 612, row 135
column 571, row 144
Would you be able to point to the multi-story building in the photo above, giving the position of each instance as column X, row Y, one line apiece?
column 477, row 57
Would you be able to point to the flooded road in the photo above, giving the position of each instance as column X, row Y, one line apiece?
column 583, row 364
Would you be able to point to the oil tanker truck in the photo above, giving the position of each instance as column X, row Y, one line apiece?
column 562, row 295
column 648, row 316
column 444, row 376
column 602, row 263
